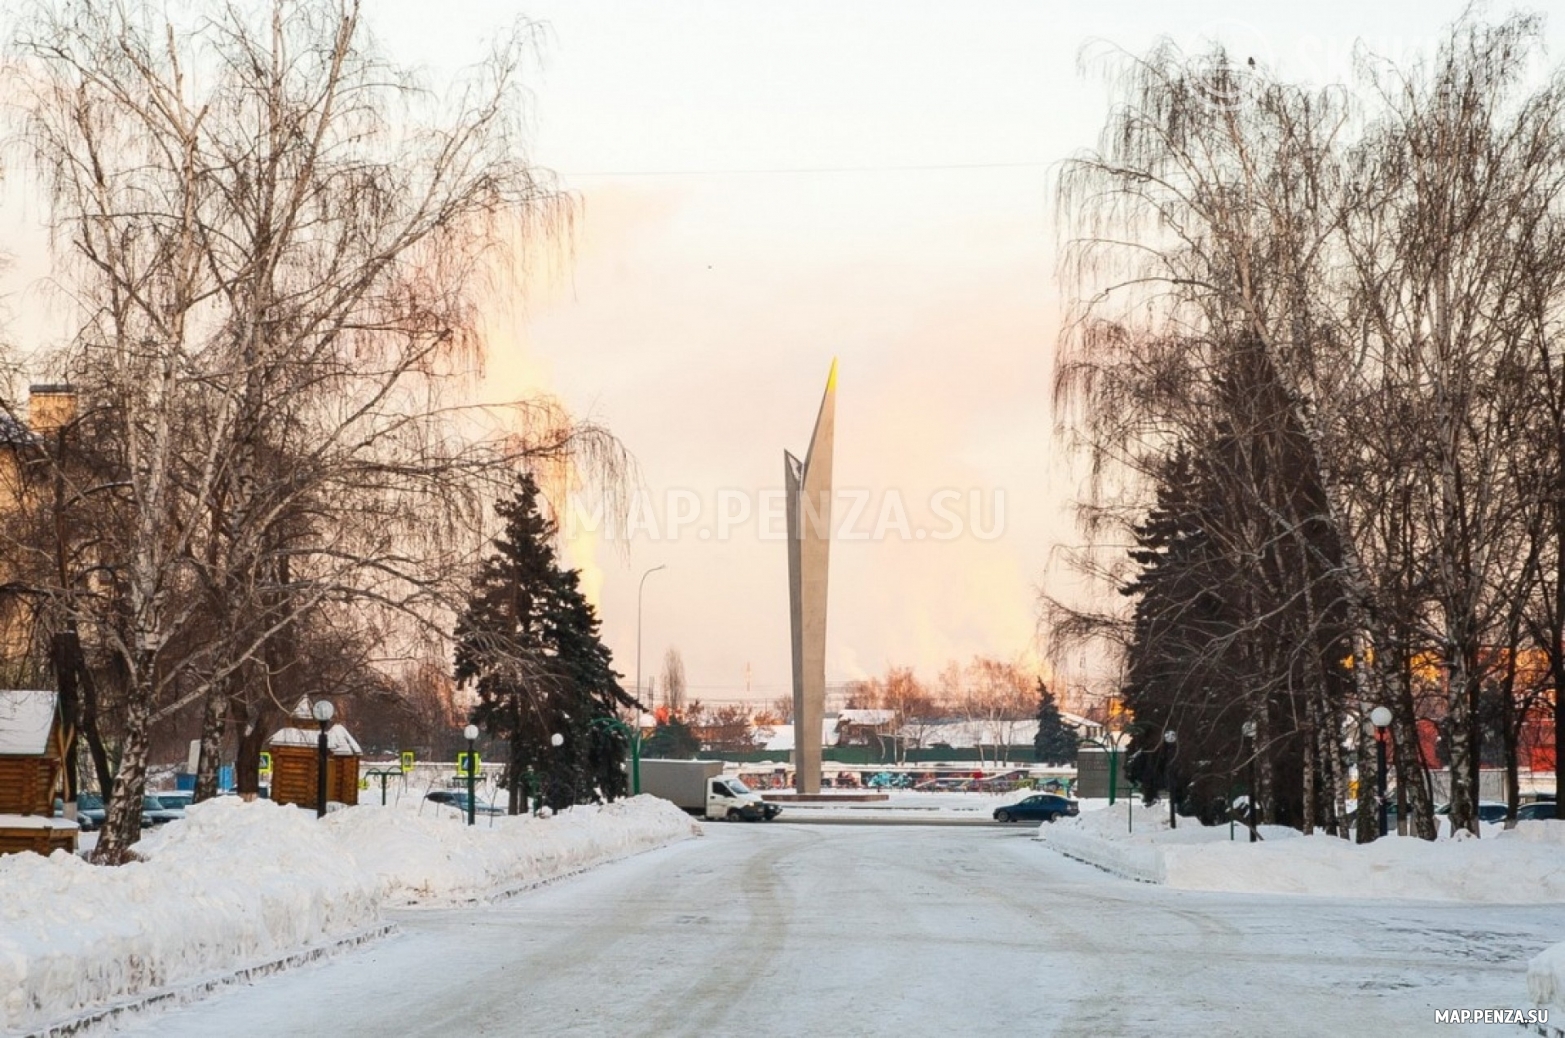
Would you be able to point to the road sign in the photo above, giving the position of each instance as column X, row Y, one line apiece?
column 266, row 763
column 407, row 761
column 465, row 769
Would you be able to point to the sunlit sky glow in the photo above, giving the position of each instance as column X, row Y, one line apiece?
column 766, row 186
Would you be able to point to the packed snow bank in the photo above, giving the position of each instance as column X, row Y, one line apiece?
column 1546, row 977
column 1133, row 840
column 1524, row 865
column 422, row 857
column 237, row 884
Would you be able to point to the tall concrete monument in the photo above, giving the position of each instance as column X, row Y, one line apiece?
column 808, row 486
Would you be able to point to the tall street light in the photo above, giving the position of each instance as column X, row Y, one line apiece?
column 1249, row 737
column 1171, row 738
column 1380, row 717
column 639, row 589
column 470, row 733
column 322, row 711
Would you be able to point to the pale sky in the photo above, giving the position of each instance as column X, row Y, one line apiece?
column 766, row 186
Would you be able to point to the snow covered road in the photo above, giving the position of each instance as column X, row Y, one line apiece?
column 791, row 929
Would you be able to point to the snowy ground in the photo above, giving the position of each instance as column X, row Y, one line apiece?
column 784, row 928
column 790, row 929
column 1523, row 866
column 237, row 884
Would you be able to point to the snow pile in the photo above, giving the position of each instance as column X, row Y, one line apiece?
column 233, row 884
column 1134, row 841
column 238, row 884
column 1546, row 977
column 1524, row 865
column 419, row 857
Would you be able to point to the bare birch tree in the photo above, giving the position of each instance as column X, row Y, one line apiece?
column 278, row 243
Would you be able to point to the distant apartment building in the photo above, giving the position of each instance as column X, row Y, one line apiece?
column 25, row 448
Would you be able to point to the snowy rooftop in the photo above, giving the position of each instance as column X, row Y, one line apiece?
column 13, row 431
column 25, row 719
column 777, row 737
column 338, row 741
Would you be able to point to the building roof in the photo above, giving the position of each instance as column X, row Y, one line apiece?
column 13, row 431
column 25, row 719
column 866, row 717
column 779, row 737
column 963, row 734
column 338, row 742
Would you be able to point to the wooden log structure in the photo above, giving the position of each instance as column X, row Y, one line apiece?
column 32, row 756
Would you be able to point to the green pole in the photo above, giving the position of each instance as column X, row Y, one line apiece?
column 635, row 762
column 1113, row 773
column 472, row 778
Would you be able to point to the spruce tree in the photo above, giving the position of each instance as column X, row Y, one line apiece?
column 528, row 643
column 1056, row 741
column 672, row 739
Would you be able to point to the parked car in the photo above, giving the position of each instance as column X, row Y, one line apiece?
column 89, row 811
column 177, row 800
column 457, row 799
column 1537, row 811
column 154, row 812
column 1489, row 811
column 1040, row 807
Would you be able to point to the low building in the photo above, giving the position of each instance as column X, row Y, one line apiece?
column 32, row 773
column 296, row 762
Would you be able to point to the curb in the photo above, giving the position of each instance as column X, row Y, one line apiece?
column 180, row 994
column 1116, row 873
column 1548, row 1030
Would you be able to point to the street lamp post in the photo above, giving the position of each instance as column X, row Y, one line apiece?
column 556, row 740
column 470, row 733
column 1380, row 717
column 1249, row 737
column 1171, row 738
column 322, row 712
column 639, row 589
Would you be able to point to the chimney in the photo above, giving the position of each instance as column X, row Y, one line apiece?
column 50, row 406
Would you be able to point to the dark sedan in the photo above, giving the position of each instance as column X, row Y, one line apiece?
column 1040, row 807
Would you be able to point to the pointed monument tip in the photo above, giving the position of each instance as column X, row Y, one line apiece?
column 831, row 379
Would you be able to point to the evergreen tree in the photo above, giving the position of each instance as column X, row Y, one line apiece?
column 672, row 739
column 528, row 642
column 1056, row 741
